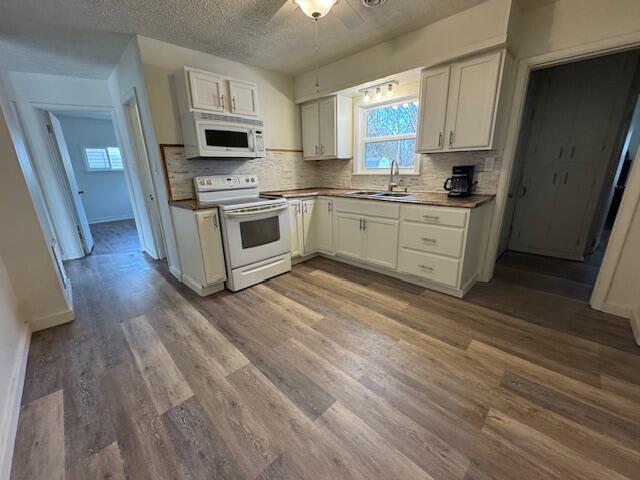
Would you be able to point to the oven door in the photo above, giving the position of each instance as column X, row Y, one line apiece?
column 225, row 140
column 257, row 233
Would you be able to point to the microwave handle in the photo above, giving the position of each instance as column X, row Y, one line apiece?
column 255, row 212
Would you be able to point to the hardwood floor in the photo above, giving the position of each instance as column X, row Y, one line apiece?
column 328, row 372
column 115, row 237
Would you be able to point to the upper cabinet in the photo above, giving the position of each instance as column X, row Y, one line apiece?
column 458, row 104
column 207, row 92
column 327, row 128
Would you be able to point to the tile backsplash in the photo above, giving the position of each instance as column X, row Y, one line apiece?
column 434, row 169
column 287, row 170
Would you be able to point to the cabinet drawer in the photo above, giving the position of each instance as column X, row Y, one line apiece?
column 450, row 216
column 371, row 208
column 431, row 238
column 431, row 267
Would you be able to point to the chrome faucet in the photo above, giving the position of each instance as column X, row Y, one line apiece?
column 392, row 184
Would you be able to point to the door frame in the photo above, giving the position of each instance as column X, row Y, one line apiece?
column 631, row 197
column 129, row 177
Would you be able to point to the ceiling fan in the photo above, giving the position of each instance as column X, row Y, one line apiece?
column 316, row 9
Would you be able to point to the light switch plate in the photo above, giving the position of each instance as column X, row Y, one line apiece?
column 489, row 164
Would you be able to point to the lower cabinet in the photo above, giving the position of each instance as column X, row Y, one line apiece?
column 311, row 224
column 349, row 235
column 373, row 240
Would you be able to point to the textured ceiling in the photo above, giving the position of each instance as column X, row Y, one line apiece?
column 86, row 37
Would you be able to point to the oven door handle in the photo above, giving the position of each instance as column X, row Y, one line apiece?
column 256, row 211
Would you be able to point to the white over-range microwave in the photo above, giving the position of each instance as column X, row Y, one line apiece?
column 221, row 136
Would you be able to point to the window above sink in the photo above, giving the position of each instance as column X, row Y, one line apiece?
column 386, row 131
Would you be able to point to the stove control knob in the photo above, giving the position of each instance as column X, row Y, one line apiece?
column 253, row 179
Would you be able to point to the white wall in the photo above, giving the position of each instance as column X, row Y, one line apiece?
column 483, row 26
column 106, row 196
column 33, row 92
column 14, row 343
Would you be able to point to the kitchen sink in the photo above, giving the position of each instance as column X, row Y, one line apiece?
column 364, row 194
column 394, row 194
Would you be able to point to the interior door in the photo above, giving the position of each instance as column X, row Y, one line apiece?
column 348, row 235
column 206, row 91
column 149, row 227
column 380, row 241
column 472, row 100
column 310, row 130
column 434, row 88
column 244, row 98
column 327, row 113
column 73, row 191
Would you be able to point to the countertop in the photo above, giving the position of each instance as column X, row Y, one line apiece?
column 419, row 198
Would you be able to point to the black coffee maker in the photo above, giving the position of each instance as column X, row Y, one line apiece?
column 460, row 184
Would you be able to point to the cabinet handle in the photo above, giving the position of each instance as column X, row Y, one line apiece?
column 560, row 152
column 429, row 240
column 321, row 149
column 566, row 177
column 221, row 100
column 233, row 100
column 440, row 139
column 573, row 150
column 364, row 224
column 215, row 221
column 360, row 224
column 316, row 149
column 329, row 207
column 435, row 218
column 305, row 208
column 450, row 138
column 426, row 267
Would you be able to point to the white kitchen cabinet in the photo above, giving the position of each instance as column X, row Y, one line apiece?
column 308, row 226
column 348, row 239
column 207, row 91
column 434, row 88
column 296, row 228
column 310, row 114
column 244, row 98
column 200, row 249
column 327, row 128
column 458, row 104
column 322, row 224
column 380, row 237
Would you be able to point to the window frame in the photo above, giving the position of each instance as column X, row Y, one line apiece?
column 360, row 138
column 89, row 169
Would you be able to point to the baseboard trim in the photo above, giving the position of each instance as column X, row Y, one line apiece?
column 635, row 324
column 617, row 310
column 9, row 421
column 175, row 272
column 53, row 320
column 111, row 219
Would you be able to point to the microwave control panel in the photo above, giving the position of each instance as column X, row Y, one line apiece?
column 259, row 139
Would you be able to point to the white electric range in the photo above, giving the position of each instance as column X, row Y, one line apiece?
column 255, row 229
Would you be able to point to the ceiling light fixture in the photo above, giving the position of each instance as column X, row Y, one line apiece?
column 379, row 89
column 378, row 94
column 315, row 8
column 367, row 98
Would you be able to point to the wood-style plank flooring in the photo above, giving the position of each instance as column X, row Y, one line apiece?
column 327, row 372
column 119, row 236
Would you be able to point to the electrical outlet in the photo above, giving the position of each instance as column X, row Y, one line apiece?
column 489, row 164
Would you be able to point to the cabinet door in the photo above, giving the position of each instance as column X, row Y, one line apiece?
column 348, row 235
column 211, row 245
column 569, row 213
column 327, row 114
column 532, row 218
column 434, row 87
column 206, row 91
column 244, row 98
column 380, row 241
column 310, row 130
column 323, row 224
column 472, row 101
column 295, row 227
column 308, row 227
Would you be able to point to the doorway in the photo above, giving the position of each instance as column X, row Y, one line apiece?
column 574, row 148
column 94, row 179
